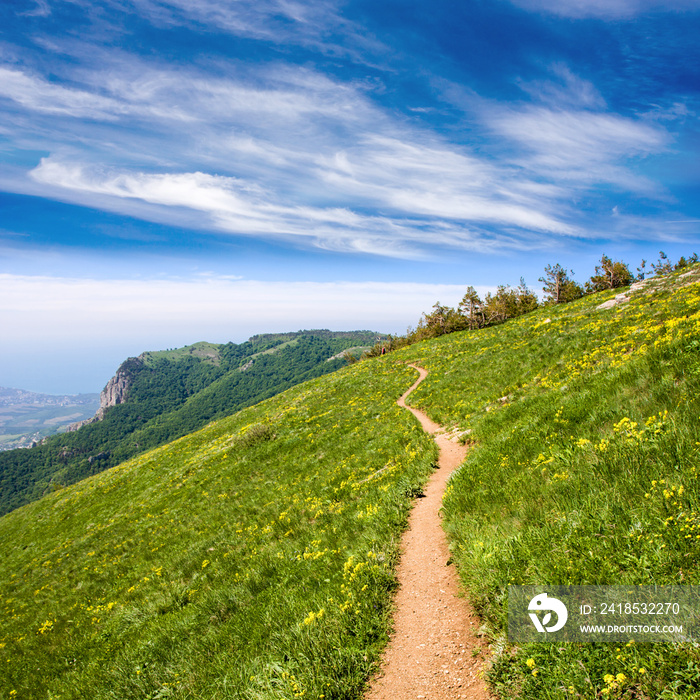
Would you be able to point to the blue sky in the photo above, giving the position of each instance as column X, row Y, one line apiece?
column 183, row 170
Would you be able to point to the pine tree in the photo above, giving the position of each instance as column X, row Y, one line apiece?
column 472, row 308
column 609, row 275
column 441, row 320
column 558, row 287
column 663, row 265
column 527, row 299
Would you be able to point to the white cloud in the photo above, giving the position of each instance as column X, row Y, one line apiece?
column 256, row 17
column 606, row 9
column 126, row 88
column 38, row 94
column 155, row 112
column 564, row 89
column 259, row 19
column 320, row 25
column 235, row 206
column 436, row 180
column 89, row 102
column 276, row 94
column 582, row 146
column 48, row 309
column 288, row 152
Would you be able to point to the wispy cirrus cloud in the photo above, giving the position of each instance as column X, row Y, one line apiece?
column 439, row 180
column 297, row 154
column 267, row 19
column 276, row 94
column 606, row 9
column 37, row 94
column 89, row 101
column 277, row 104
column 233, row 206
column 563, row 88
column 581, row 146
column 320, row 26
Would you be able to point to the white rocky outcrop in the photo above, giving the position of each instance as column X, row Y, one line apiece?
column 619, row 299
column 116, row 390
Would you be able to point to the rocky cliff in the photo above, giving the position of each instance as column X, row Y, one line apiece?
column 116, row 390
column 118, row 386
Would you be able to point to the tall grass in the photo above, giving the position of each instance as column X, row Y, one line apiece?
column 252, row 559
column 586, row 432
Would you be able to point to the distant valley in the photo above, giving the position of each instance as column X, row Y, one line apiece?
column 27, row 417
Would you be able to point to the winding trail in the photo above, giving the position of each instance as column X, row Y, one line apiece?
column 434, row 651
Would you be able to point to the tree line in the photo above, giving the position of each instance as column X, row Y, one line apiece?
column 558, row 287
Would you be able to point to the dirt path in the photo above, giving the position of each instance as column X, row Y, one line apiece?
column 434, row 652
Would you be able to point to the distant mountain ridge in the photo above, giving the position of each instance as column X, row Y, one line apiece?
column 116, row 389
column 12, row 397
column 162, row 395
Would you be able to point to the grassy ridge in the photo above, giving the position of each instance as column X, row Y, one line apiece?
column 252, row 559
column 585, row 471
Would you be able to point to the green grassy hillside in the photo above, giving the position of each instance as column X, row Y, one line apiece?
column 586, row 433
column 172, row 393
column 253, row 559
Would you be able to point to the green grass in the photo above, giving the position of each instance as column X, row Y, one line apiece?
column 252, row 559
column 209, row 352
column 590, row 422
